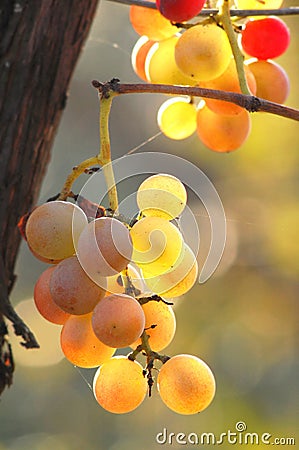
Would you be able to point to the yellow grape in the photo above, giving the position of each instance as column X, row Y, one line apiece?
column 258, row 4
column 118, row 320
column 177, row 118
column 104, row 248
column 228, row 81
column 160, row 65
column 272, row 80
column 186, row 384
column 157, row 245
column 203, row 52
column 178, row 280
column 72, row 290
column 119, row 385
column 44, row 301
column 162, row 195
column 53, row 229
column 115, row 284
column 161, row 315
column 80, row 345
column 220, row 132
column 151, row 23
column 139, row 54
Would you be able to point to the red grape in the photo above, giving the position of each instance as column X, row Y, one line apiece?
column 179, row 10
column 265, row 38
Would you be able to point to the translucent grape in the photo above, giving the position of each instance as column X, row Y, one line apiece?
column 180, row 10
column 203, row 52
column 151, row 23
column 104, row 248
column 115, row 284
column 72, row 290
column 118, row 320
column 272, row 80
column 157, row 245
column 139, row 54
column 228, row 81
column 80, row 345
column 178, row 280
column 53, row 229
column 186, row 384
column 44, row 301
column 258, row 4
column 119, row 385
column 162, row 195
column 162, row 316
column 222, row 133
column 177, row 118
column 161, row 67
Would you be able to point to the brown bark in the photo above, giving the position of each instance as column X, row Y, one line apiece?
column 39, row 46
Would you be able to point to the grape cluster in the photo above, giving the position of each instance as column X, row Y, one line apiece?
column 200, row 54
column 107, row 286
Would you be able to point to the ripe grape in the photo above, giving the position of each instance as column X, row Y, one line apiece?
column 44, row 301
column 258, row 4
column 162, row 316
column 157, row 245
column 115, row 283
column 151, row 23
column 161, row 67
column 178, row 280
column 179, row 10
column 53, row 229
column 104, row 248
column 177, row 118
column 139, row 54
column 119, row 385
column 203, row 52
column 118, row 320
column 80, row 345
column 222, row 133
column 272, row 81
column 228, row 81
column 162, row 195
column 265, row 38
column 186, row 384
column 72, row 290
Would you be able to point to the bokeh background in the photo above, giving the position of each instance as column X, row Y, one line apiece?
column 243, row 322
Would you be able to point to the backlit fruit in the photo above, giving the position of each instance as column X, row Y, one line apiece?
column 177, row 118
column 115, row 283
column 139, row 54
column 119, row 385
column 203, row 52
column 118, row 320
column 258, row 4
column 265, row 38
column 186, row 384
column 180, row 10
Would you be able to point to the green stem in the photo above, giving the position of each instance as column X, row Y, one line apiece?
column 224, row 17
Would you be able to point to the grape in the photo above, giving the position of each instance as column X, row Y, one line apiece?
column 162, row 195
column 258, row 4
column 265, row 38
column 161, row 315
column 118, row 320
column 80, row 345
column 177, row 118
column 44, row 301
column 186, row 384
column 115, row 284
column 222, row 133
column 157, row 245
column 104, row 248
column 72, row 290
column 53, row 229
column 119, row 385
column 228, row 81
column 139, row 54
column 160, row 65
column 203, row 52
column 271, row 80
column 179, row 280
column 151, row 23
column 179, row 10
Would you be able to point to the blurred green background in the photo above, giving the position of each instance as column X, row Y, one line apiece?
column 243, row 322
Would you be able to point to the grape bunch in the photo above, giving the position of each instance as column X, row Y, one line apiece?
column 109, row 286
column 171, row 51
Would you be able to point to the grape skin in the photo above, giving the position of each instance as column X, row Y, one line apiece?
column 177, row 118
